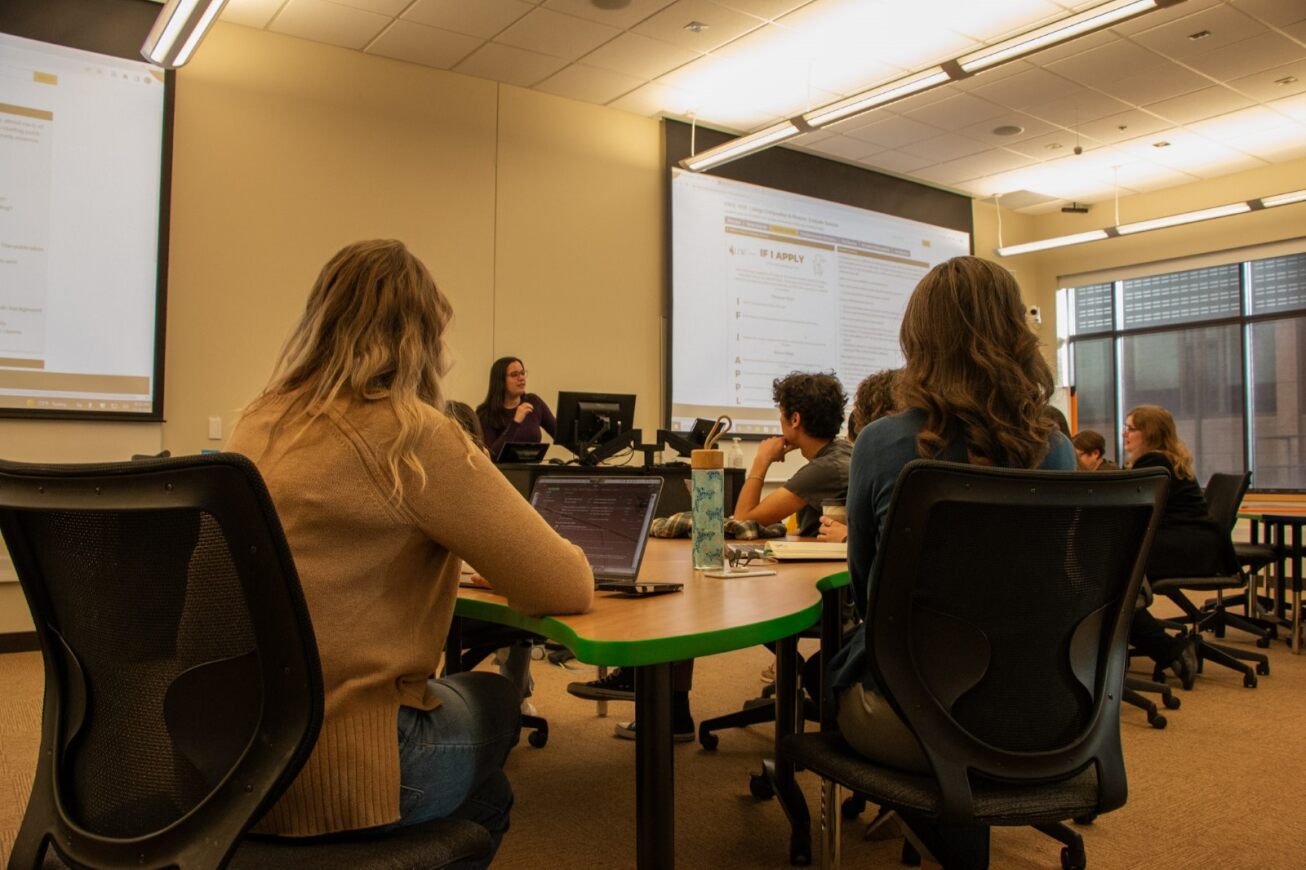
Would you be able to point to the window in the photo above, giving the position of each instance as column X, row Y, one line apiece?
column 1222, row 348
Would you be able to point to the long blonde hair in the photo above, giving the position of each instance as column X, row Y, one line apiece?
column 974, row 367
column 372, row 330
column 1156, row 425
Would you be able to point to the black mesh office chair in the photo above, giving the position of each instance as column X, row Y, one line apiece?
column 1224, row 493
column 996, row 629
column 183, row 690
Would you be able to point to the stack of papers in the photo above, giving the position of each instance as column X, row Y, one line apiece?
column 810, row 550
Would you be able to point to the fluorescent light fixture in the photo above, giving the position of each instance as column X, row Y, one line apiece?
column 1059, row 32
column 1189, row 217
column 894, row 90
column 1058, row 242
column 1283, row 199
column 178, row 30
column 736, row 148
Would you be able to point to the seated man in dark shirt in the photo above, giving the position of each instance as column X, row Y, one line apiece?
column 811, row 412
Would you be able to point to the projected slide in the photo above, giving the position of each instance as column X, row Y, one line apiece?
column 81, row 142
column 766, row 282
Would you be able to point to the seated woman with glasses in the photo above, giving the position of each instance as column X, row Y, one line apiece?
column 509, row 413
column 380, row 493
column 1188, row 543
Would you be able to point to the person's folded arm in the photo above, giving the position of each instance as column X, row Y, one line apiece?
column 470, row 508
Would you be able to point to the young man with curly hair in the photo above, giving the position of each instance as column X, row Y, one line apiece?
column 811, row 411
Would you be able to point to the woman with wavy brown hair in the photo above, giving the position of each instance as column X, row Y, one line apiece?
column 975, row 388
column 379, row 494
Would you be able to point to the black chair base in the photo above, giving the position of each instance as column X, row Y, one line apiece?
column 1132, row 694
column 441, row 843
column 1197, row 621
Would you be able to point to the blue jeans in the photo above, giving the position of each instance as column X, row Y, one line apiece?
column 451, row 758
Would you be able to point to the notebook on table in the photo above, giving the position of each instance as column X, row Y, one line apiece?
column 609, row 519
column 806, row 550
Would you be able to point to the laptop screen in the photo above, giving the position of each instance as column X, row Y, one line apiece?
column 607, row 517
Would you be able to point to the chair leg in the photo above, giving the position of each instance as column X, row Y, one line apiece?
column 1228, row 658
column 831, row 825
column 794, row 804
column 1155, row 719
column 1072, row 856
column 601, row 707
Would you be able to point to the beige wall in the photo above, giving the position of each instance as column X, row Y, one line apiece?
column 541, row 218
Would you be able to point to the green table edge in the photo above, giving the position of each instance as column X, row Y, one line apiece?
column 627, row 653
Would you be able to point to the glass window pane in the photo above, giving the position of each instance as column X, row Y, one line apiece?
column 1183, row 297
column 1095, row 390
column 1279, row 284
column 1093, row 307
column 1195, row 374
column 1279, row 356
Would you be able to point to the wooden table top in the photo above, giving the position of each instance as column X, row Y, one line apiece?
column 710, row 615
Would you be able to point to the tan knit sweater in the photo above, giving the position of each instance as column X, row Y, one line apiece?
column 381, row 577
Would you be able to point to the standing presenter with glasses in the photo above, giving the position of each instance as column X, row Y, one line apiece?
column 509, row 413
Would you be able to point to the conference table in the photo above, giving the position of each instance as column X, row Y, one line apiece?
column 1280, row 523
column 711, row 615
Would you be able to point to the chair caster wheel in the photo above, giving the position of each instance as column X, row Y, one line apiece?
column 538, row 739
column 1263, row 668
column 1249, row 681
column 1263, row 642
column 1085, row 820
column 1072, row 862
column 1171, row 702
column 760, row 788
column 708, row 740
column 852, row 807
column 800, row 853
column 1158, row 722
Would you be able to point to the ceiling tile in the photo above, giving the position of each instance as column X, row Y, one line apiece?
column 627, row 16
column 1030, row 127
column 888, row 32
column 1205, row 103
column 1250, row 56
column 1276, row 12
column 251, row 13
column 989, row 22
column 1077, row 109
column 1115, row 60
column 845, row 147
column 981, row 165
column 809, row 139
column 589, row 84
column 1073, row 47
column 949, row 146
column 892, row 131
column 1293, row 107
column 989, row 76
column 553, row 33
column 639, row 56
column 381, row 7
column 1163, row 16
column 1156, row 84
column 329, row 22
column 483, row 18
column 768, row 9
column 1296, row 31
column 1287, row 145
column 896, row 161
column 656, row 99
column 429, row 46
column 723, row 25
column 1031, row 86
column 848, row 74
column 1051, row 145
column 956, row 112
column 1282, row 81
column 1124, row 126
column 515, row 66
column 1225, row 24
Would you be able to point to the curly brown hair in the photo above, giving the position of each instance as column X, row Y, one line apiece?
column 818, row 399
column 974, row 366
column 874, row 399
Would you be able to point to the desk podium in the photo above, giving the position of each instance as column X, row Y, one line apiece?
column 674, row 497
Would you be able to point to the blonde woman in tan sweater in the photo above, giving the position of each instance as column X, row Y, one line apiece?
column 380, row 494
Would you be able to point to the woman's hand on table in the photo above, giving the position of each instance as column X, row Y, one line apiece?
column 832, row 531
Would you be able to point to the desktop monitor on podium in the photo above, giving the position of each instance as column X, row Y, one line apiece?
column 594, row 426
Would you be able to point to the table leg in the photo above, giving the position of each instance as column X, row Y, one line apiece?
column 1297, row 556
column 654, row 780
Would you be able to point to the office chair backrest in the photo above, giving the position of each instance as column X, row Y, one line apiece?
column 183, row 690
column 1224, row 495
column 998, row 617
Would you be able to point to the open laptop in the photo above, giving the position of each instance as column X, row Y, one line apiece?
column 608, row 518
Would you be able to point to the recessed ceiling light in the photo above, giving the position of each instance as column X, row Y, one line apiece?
column 1286, row 80
column 1201, row 34
column 1161, row 144
column 695, row 27
column 1053, row 146
column 1008, row 130
column 610, row 4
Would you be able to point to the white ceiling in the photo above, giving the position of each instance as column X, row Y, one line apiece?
column 1223, row 82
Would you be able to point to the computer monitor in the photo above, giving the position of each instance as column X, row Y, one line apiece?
column 595, row 425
